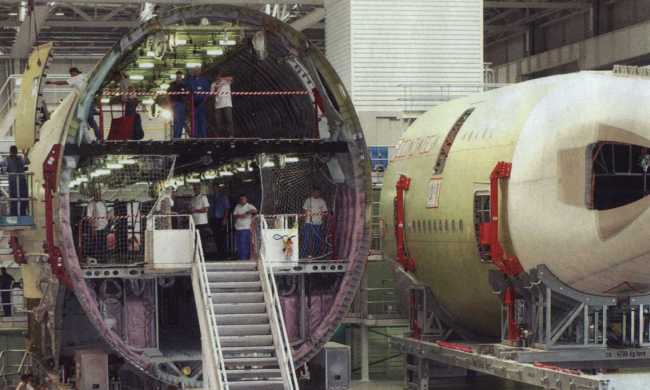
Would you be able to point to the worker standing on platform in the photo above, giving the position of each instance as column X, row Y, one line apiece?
column 199, row 85
column 77, row 81
column 18, row 191
column 315, row 210
column 223, row 104
column 6, row 284
column 97, row 215
column 178, row 98
column 243, row 215
column 219, row 212
column 200, row 206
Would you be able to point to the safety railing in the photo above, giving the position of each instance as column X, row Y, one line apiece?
column 169, row 241
column 276, row 316
column 111, row 241
column 293, row 238
column 16, row 204
column 211, row 320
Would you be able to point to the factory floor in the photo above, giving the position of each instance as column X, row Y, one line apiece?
column 378, row 385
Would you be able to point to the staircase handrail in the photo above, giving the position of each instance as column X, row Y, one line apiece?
column 215, row 343
column 285, row 357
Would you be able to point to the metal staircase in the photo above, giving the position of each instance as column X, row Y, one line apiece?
column 246, row 345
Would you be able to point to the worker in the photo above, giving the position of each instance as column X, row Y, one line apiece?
column 315, row 213
column 26, row 382
column 77, row 81
column 219, row 213
column 243, row 215
column 97, row 217
column 223, row 104
column 179, row 101
column 6, row 284
column 14, row 165
column 200, row 206
column 199, row 85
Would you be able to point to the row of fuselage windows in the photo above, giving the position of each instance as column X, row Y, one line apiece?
column 435, row 226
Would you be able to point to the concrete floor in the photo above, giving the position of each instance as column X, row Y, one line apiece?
column 378, row 385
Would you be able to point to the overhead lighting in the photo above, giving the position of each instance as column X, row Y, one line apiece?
column 241, row 169
column 193, row 180
column 291, row 159
column 137, row 77
column 103, row 172
column 114, row 166
column 146, row 65
column 13, row 14
column 151, row 53
column 148, row 101
column 226, row 174
column 268, row 164
column 105, row 100
column 214, row 51
column 180, row 42
column 210, row 175
column 191, row 65
column 164, row 87
column 59, row 14
column 128, row 161
column 247, row 180
column 227, row 42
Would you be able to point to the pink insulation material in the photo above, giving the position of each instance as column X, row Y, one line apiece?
column 320, row 304
column 141, row 319
column 291, row 313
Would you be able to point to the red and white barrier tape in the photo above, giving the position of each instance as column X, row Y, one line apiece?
column 241, row 93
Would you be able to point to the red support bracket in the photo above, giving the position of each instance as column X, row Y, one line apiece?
column 489, row 232
column 50, row 171
column 403, row 184
column 489, row 235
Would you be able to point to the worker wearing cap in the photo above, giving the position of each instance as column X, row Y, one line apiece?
column 199, row 85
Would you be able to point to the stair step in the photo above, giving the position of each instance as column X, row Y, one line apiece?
column 255, row 351
column 246, row 341
column 251, row 361
column 227, row 266
column 239, row 286
column 239, row 308
column 258, row 373
column 244, row 330
column 242, row 319
column 257, row 385
column 233, row 276
column 238, row 297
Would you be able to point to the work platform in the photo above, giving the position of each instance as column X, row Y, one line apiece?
column 220, row 149
column 537, row 368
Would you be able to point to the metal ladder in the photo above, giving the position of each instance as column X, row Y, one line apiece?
column 246, row 345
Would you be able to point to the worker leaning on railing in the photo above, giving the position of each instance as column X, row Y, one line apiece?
column 14, row 166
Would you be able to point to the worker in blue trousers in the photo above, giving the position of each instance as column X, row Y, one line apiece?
column 199, row 84
column 177, row 89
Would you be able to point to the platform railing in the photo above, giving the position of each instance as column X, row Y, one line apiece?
column 276, row 317
column 16, row 204
column 200, row 274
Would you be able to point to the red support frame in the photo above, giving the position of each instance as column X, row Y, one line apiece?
column 50, row 174
column 489, row 235
column 403, row 184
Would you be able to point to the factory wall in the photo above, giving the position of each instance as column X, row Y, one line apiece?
column 563, row 31
column 398, row 59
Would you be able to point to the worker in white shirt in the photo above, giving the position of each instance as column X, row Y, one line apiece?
column 200, row 206
column 223, row 103
column 97, row 217
column 315, row 213
column 243, row 215
column 77, row 81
